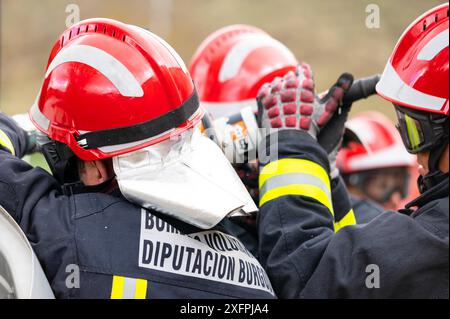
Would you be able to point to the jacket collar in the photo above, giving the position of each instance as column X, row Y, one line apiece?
column 440, row 190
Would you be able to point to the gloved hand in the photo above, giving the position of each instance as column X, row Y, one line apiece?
column 330, row 137
column 290, row 102
column 24, row 122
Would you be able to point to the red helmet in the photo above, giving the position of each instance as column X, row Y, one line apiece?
column 112, row 88
column 231, row 64
column 372, row 142
column 416, row 75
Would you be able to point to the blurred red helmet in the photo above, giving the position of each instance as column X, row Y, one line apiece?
column 416, row 75
column 112, row 88
column 231, row 64
column 372, row 142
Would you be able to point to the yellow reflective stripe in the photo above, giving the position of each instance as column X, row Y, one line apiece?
column 347, row 220
column 293, row 165
column 117, row 287
column 141, row 289
column 6, row 142
column 128, row 288
column 298, row 189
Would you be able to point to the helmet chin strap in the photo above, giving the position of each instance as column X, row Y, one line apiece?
column 435, row 175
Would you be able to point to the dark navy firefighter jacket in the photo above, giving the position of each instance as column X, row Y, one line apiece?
column 395, row 255
column 96, row 245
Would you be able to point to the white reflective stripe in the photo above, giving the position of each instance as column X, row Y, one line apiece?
column 129, row 288
column 432, row 48
column 172, row 51
column 237, row 55
column 392, row 86
column 103, row 62
column 38, row 116
column 227, row 109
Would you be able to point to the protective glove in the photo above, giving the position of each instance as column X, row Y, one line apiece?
column 24, row 122
column 330, row 137
column 290, row 102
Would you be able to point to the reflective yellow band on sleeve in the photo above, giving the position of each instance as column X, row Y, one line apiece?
column 347, row 220
column 6, row 142
column 141, row 289
column 291, row 176
column 311, row 191
column 128, row 288
column 293, row 165
column 117, row 287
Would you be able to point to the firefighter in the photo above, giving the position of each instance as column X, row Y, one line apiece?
column 137, row 196
column 374, row 165
column 395, row 255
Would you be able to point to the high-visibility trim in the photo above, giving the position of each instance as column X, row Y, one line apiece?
column 117, row 287
column 6, row 142
column 293, row 176
column 294, row 179
column 128, row 288
column 436, row 45
column 141, row 289
column 237, row 55
column 311, row 191
column 293, row 165
column 392, row 87
column 122, row 78
column 347, row 220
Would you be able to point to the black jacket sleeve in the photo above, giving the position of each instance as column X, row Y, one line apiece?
column 393, row 256
column 33, row 197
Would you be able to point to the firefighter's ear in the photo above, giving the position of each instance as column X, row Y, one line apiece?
column 94, row 172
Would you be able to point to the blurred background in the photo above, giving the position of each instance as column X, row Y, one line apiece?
column 330, row 35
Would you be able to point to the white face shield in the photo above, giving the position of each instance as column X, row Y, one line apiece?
column 186, row 177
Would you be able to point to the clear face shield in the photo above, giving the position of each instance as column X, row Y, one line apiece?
column 186, row 177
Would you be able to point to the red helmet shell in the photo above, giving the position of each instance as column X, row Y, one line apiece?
column 378, row 145
column 232, row 63
column 416, row 75
column 102, row 75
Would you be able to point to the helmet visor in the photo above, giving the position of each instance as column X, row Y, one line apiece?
column 411, row 131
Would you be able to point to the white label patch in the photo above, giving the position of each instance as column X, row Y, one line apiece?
column 210, row 255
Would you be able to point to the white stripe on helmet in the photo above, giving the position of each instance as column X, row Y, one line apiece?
column 237, row 55
column 109, row 66
column 392, row 86
column 37, row 116
column 432, row 48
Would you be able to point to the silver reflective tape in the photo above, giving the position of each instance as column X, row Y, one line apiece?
column 238, row 54
column 293, row 179
column 432, row 48
column 103, row 62
column 39, row 117
column 392, row 86
column 129, row 288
